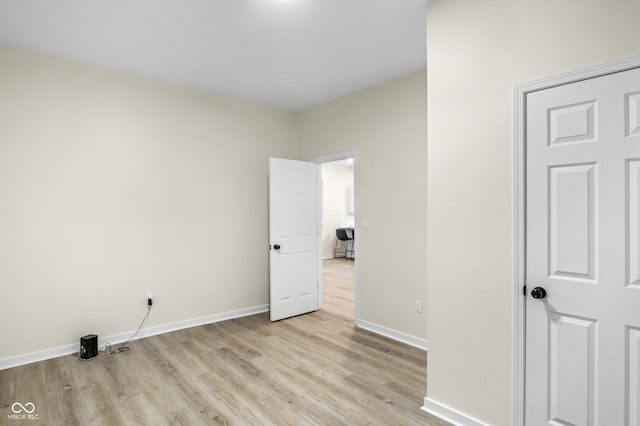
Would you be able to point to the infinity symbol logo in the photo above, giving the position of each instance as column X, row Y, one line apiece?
column 28, row 408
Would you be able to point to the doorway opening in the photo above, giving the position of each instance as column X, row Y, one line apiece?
column 338, row 237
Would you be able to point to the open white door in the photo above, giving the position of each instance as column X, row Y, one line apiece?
column 583, row 253
column 293, row 234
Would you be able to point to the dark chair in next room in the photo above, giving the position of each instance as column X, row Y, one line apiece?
column 347, row 244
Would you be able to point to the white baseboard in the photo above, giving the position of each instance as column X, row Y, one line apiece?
column 119, row 338
column 449, row 414
column 393, row 334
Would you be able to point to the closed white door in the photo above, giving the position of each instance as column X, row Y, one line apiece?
column 583, row 251
column 293, row 233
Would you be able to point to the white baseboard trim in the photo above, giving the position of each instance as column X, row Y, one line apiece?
column 19, row 360
column 449, row 414
column 393, row 334
column 180, row 325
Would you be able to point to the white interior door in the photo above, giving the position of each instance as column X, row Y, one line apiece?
column 293, row 232
column 583, row 248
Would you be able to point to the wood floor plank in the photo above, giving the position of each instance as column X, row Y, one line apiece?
column 315, row 369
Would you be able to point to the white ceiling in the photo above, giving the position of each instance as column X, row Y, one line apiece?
column 292, row 54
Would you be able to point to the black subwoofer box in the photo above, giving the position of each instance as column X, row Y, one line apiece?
column 88, row 346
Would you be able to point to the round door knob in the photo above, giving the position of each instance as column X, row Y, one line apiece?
column 277, row 246
column 539, row 293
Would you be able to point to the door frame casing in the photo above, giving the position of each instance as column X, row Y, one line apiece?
column 328, row 159
column 519, row 303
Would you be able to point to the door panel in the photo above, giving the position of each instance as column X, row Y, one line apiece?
column 571, row 368
column 632, row 114
column 572, row 232
column 572, row 123
column 583, row 248
column 633, row 218
column 293, row 229
column 633, row 381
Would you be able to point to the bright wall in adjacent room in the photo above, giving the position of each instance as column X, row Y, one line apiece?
column 337, row 181
column 113, row 186
column 477, row 52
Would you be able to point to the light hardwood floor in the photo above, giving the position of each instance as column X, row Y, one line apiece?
column 312, row 369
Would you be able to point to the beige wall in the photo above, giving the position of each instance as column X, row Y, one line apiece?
column 112, row 186
column 336, row 180
column 386, row 125
column 477, row 52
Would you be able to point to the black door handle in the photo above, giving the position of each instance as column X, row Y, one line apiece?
column 276, row 246
column 539, row 293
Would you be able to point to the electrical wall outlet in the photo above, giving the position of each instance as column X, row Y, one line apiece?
column 419, row 306
column 149, row 299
